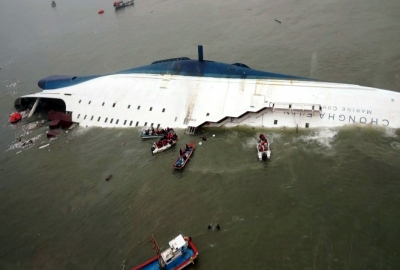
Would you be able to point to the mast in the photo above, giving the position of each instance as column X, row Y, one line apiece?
column 158, row 252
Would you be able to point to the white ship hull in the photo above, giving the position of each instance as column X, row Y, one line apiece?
column 177, row 101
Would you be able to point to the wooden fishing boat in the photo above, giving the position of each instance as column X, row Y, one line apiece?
column 122, row 4
column 181, row 253
column 150, row 133
column 184, row 157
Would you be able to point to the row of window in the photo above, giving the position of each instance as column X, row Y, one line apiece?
column 129, row 106
column 307, row 125
column 117, row 121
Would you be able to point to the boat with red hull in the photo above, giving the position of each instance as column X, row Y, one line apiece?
column 181, row 253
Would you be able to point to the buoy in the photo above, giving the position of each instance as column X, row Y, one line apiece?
column 15, row 117
column 101, row 11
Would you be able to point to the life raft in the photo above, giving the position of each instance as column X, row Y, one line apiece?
column 15, row 117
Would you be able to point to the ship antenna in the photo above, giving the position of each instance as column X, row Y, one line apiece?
column 158, row 251
column 200, row 52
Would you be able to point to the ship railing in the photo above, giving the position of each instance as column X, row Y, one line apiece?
column 294, row 108
column 190, row 130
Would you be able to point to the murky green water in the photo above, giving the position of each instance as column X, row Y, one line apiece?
column 327, row 199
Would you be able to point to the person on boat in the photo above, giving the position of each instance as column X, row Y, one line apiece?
column 180, row 152
column 262, row 137
column 187, row 148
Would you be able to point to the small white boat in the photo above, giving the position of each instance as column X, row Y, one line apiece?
column 263, row 148
column 155, row 149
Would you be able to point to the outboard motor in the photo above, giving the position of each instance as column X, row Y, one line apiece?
column 264, row 156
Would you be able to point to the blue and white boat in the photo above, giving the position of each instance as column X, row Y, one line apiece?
column 188, row 94
column 181, row 253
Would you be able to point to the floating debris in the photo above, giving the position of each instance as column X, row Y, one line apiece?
column 43, row 146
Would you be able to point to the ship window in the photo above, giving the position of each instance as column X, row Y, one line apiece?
column 111, row 120
column 207, row 114
column 163, row 110
column 102, row 104
column 124, row 122
column 176, row 118
column 80, row 101
column 145, row 123
column 158, row 125
column 151, row 124
column 290, row 106
column 129, row 106
column 90, row 102
column 138, row 107
column 275, row 122
column 105, row 121
column 91, row 118
column 137, row 123
column 307, row 125
column 78, row 116
column 113, row 105
column 130, row 124
column 98, row 120
column 117, row 122
column 84, row 117
column 151, row 108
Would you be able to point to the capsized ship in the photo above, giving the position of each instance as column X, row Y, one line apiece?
column 188, row 94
